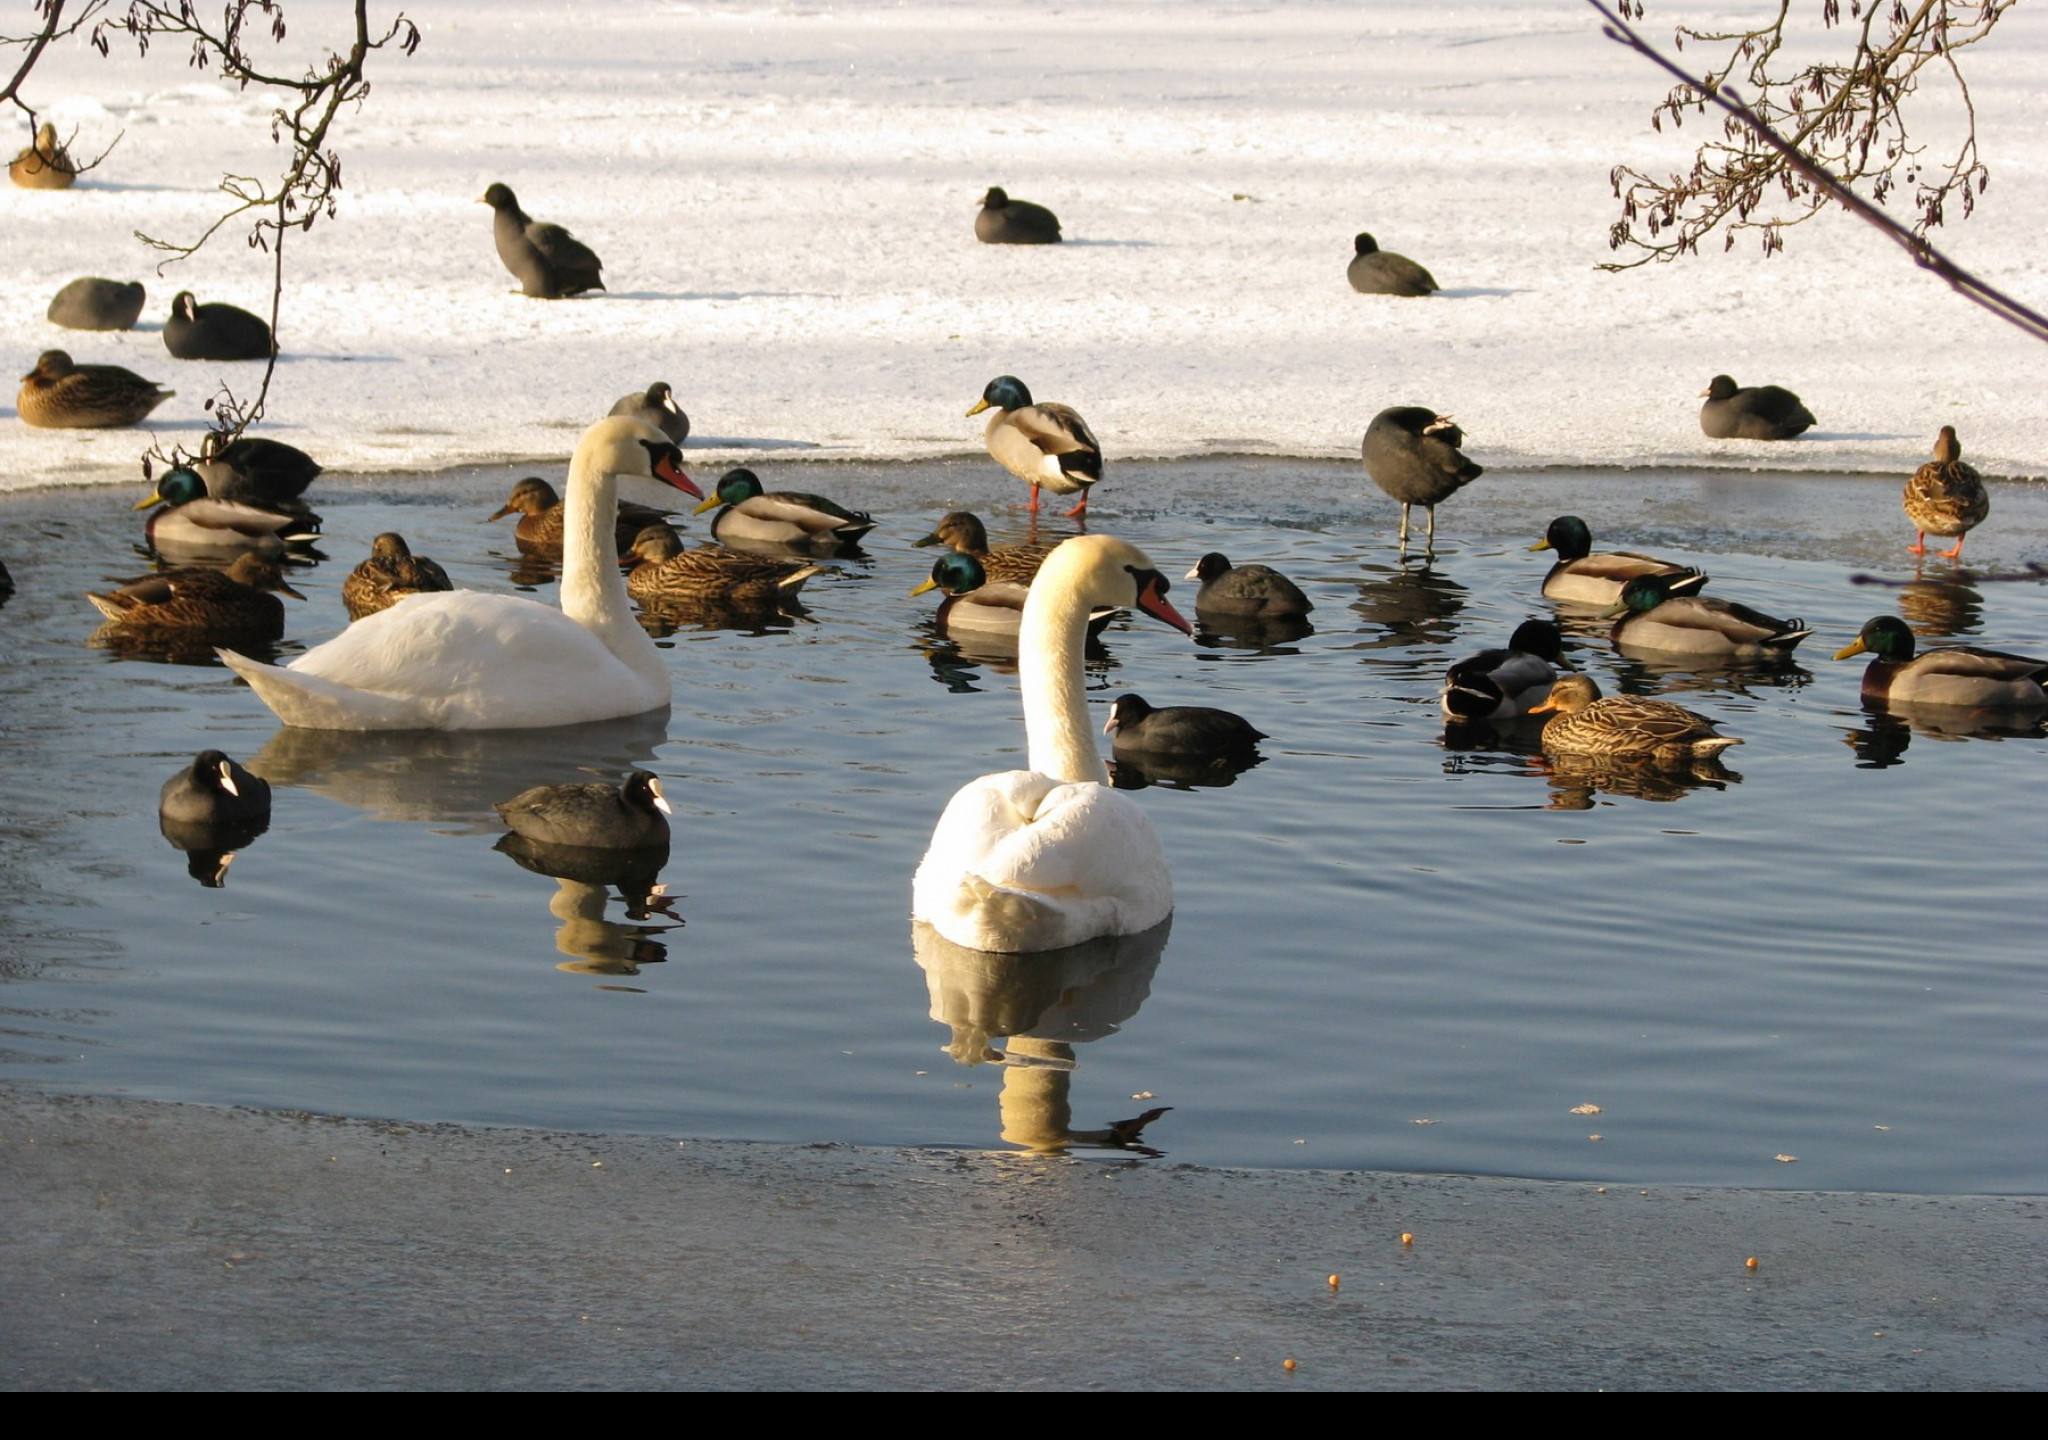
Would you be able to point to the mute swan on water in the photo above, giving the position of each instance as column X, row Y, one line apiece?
column 1051, row 856
column 465, row 660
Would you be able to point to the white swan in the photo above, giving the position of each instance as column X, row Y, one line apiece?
column 1051, row 856
column 465, row 660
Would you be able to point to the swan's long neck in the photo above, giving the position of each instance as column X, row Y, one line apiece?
column 593, row 590
column 1049, row 645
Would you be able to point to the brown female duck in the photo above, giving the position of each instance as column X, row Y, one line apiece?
column 60, row 394
column 391, row 573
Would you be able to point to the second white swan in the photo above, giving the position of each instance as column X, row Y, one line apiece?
column 1051, row 856
column 465, row 660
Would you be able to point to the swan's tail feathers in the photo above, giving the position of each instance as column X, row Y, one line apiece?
column 1009, row 919
column 316, row 704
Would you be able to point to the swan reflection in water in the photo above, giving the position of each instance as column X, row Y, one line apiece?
column 1043, row 1004
column 452, row 776
column 585, row 877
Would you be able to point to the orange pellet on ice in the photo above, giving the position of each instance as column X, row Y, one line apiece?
column 1750, row 1263
column 1407, row 1238
column 1287, row 1364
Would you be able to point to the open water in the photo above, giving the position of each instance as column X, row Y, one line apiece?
column 1390, row 950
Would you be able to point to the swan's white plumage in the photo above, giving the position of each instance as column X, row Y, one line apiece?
column 466, row 660
column 1048, row 857
column 1022, row 861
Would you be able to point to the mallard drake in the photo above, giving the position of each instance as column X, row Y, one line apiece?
column 628, row 816
column 1502, row 684
column 255, row 471
column 1761, row 412
column 391, row 573
column 1004, row 221
column 1652, row 618
column 980, row 607
column 1374, row 271
column 657, row 406
column 1625, row 726
column 781, row 517
column 192, row 524
column 1046, row 445
column 1945, row 496
column 1955, row 675
column 45, row 165
column 90, row 303
column 1412, row 453
column 1134, row 724
column 214, row 332
column 541, row 514
column 196, row 604
column 213, row 791
column 1252, row 592
column 1583, row 578
column 963, row 531
column 667, row 573
column 61, row 395
column 547, row 260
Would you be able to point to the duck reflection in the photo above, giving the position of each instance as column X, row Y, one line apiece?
column 451, row 775
column 1043, row 1004
column 1893, row 720
column 1577, row 781
column 1938, row 609
column 210, row 849
column 1644, row 674
column 957, row 659
column 585, row 878
column 1276, row 636
column 1883, row 745
column 1136, row 770
column 760, row 617
column 1411, row 604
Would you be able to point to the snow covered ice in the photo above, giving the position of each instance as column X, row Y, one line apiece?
column 784, row 199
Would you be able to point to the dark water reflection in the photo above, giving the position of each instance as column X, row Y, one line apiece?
column 1394, row 946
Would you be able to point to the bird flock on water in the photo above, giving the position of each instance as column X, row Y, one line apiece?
column 1035, row 859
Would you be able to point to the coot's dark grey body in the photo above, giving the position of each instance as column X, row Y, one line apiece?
column 1004, row 221
column 202, row 816
column 657, row 406
column 1374, row 271
column 90, row 303
column 1254, row 592
column 1178, row 729
column 214, row 332
column 1412, row 453
column 213, row 790
column 621, row 817
column 547, row 260
column 1759, row 412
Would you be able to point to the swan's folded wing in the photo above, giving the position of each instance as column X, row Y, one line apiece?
column 1021, row 862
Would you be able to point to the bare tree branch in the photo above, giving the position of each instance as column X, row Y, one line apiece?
column 306, row 189
column 1847, row 118
column 1819, row 179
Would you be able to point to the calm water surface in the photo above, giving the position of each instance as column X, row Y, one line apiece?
column 1389, row 951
